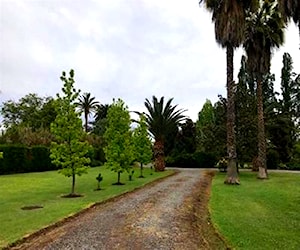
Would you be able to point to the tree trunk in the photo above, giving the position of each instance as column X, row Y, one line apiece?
column 232, row 174
column 86, row 122
column 73, row 184
column 262, row 151
column 141, row 176
column 119, row 178
column 159, row 156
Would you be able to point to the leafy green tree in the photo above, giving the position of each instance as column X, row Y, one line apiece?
column 87, row 105
column 229, row 17
column 282, row 129
column 246, row 116
column 119, row 150
column 205, row 127
column 68, row 151
column 264, row 31
column 142, row 144
column 162, row 120
column 30, row 111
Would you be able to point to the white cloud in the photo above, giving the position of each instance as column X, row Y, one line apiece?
column 129, row 49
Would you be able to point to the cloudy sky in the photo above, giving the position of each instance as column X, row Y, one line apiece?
column 131, row 49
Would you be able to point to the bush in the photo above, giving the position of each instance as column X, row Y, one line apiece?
column 195, row 160
column 293, row 165
column 273, row 159
column 41, row 159
column 22, row 159
column 16, row 159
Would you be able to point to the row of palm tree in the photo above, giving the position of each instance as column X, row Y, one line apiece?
column 258, row 26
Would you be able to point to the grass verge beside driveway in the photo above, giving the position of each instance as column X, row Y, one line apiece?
column 258, row 214
column 46, row 188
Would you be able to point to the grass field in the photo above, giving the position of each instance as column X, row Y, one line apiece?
column 258, row 214
column 45, row 189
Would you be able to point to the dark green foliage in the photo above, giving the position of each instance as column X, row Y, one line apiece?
column 15, row 159
column 22, row 159
column 98, row 157
column 30, row 111
column 195, row 160
column 273, row 159
column 211, row 128
column 40, row 159
column 100, row 123
column 246, row 116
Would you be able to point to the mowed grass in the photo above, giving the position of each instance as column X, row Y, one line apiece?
column 46, row 188
column 258, row 214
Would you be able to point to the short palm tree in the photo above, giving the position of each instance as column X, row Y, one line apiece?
column 161, row 120
column 264, row 31
column 87, row 105
column 229, row 17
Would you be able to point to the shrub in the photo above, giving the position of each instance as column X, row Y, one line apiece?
column 15, row 159
column 195, row 160
column 273, row 159
column 22, row 159
column 41, row 159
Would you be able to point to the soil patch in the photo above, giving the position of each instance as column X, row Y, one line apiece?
column 72, row 195
column 32, row 207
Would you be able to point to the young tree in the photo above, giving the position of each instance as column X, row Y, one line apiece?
column 205, row 127
column 142, row 144
column 68, row 151
column 119, row 149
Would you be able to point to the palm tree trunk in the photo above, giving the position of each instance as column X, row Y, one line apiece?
column 86, row 121
column 232, row 173
column 159, row 156
column 262, row 158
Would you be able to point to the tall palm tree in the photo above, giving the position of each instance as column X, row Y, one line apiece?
column 290, row 9
column 229, row 17
column 87, row 105
column 264, row 31
column 161, row 120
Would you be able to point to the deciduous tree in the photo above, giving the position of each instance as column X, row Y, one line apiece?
column 142, row 143
column 119, row 150
column 69, row 151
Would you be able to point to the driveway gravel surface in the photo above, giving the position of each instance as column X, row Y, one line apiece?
column 170, row 214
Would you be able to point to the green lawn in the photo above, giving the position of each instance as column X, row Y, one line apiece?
column 258, row 214
column 45, row 189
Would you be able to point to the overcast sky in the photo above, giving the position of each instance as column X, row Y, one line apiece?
column 131, row 49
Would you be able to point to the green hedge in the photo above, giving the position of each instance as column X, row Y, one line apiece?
column 195, row 160
column 22, row 159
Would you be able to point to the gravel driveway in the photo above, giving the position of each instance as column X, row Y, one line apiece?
column 160, row 216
